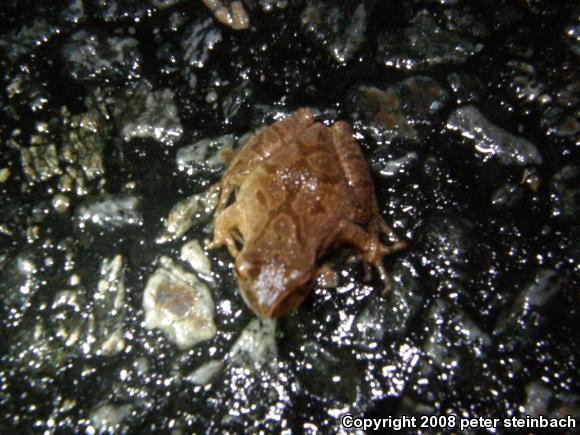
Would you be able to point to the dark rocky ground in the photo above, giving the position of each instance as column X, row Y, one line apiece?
column 114, row 113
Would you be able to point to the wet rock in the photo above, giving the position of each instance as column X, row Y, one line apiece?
column 178, row 304
column 561, row 124
column 397, row 370
column 204, row 374
column 506, row 196
column 256, row 346
column 108, row 215
column 193, row 254
column 108, row 417
column 33, row 349
column 20, row 280
column 236, row 103
column 29, row 37
column 268, row 395
column 69, row 314
column 424, row 44
column 331, row 375
column 196, row 209
column 267, row 5
column 464, row 21
column 199, row 39
column 73, row 181
column 149, row 113
column 402, row 112
column 106, row 320
column 85, row 322
column 205, row 157
column 387, row 317
column 339, row 27
column 405, row 300
column 4, row 175
column 524, row 81
column 96, row 58
column 84, row 139
column 446, row 246
column 453, row 336
column 467, row 89
column 28, row 92
column 74, row 13
column 492, row 141
column 538, row 397
column 572, row 33
column 565, row 196
column 40, row 163
column 522, row 321
column 395, row 167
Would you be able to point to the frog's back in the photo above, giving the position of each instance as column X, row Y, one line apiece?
column 269, row 141
column 302, row 182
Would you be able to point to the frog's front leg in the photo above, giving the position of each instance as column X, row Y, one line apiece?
column 225, row 229
column 228, row 184
column 370, row 246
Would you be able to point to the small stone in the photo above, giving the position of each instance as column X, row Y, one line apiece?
column 109, row 307
column 193, row 254
column 107, row 417
column 186, row 213
column 60, row 203
column 150, row 114
column 204, row 157
column 116, row 216
column 492, row 141
column 40, row 162
column 201, row 37
column 178, row 304
column 404, row 111
column 204, row 374
column 93, row 57
column 425, row 44
column 74, row 280
column 4, row 175
column 256, row 346
column 339, row 27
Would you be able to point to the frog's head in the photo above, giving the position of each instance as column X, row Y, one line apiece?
column 272, row 287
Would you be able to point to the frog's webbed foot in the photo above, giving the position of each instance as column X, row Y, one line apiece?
column 371, row 248
column 234, row 17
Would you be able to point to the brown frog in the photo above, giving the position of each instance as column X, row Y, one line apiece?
column 301, row 188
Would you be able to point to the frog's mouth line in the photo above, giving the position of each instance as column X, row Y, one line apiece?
column 288, row 301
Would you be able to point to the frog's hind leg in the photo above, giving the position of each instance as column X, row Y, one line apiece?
column 370, row 246
column 225, row 230
column 355, row 170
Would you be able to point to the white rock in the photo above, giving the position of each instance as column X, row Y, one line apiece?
column 186, row 213
column 204, row 374
column 193, row 254
column 178, row 304
column 256, row 345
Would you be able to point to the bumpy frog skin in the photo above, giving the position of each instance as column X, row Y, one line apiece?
column 301, row 188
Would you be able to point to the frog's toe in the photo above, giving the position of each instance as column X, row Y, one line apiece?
column 397, row 246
